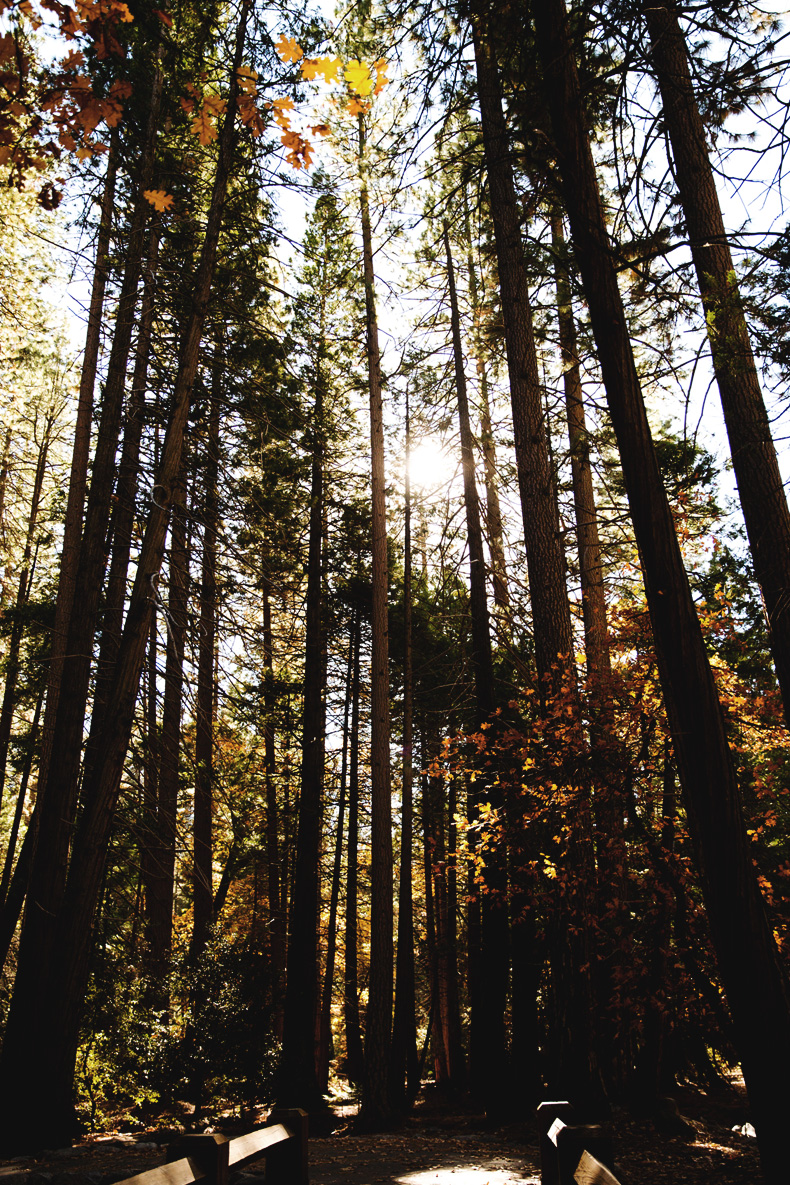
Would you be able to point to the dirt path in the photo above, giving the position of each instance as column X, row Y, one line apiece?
column 444, row 1145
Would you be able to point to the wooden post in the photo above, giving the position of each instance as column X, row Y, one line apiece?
column 574, row 1141
column 209, row 1152
column 547, row 1113
column 286, row 1163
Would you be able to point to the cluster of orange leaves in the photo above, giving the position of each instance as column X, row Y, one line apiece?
column 62, row 92
column 364, row 82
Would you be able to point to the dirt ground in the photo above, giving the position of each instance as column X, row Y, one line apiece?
column 444, row 1144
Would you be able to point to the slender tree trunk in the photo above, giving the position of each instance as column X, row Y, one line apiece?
column 596, row 635
column 203, row 850
column 545, row 558
column 159, row 898
column 274, row 864
column 376, row 1107
column 760, row 486
column 22, row 595
column 752, row 975
column 481, row 634
column 125, row 500
column 298, row 1083
column 493, row 512
column 40, row 1068
column 354, row 1053
column 405, row 1063
column 325, row 1019
column 20, row 802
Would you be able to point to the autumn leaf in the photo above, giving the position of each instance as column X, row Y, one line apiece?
column 164, row 17
column 160, row 200
column 204, row 127
column 320, row 129
column 355, row 107
column 248, row 79
column 380, row 67
column 328, row 67
column 288, row 49
column 357, row 75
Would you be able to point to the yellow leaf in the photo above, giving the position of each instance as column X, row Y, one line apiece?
column 355, row 107
column 288, row 49
column 309, row 68
column 329, row 67
column 159, row 199
column 357, row 75
column 283, row 104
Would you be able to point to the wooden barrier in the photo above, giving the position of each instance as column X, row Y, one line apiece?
column 571, row 1153
column 209, row 1158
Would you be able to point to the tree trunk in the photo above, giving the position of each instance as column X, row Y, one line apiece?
column 404, row 1083
column 596, row 635
column 37, row 1061
column 274, row 864
column 20, row 805
column 325, row 1019
column 751, row 973
column 203, row 849
column 375, row 1107
column 354, row 1053
column 298, row 1085
column 22, row 595
column 760, row 487
column 493, row 513
column 481, row 634
column 159, row 898
column 551, row 621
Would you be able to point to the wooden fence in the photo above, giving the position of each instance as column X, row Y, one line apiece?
column 573, row 1153
column 209, row 1158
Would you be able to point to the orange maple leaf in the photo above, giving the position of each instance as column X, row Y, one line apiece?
column 289, row 49
column 160, row 200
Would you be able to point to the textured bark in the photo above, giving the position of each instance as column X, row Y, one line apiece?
column 203, row 848
column 752, row 976
column 375, row 1107
column 161, row 886
column 551, row 621
column 324, row 1041
column 277, row 916
column 37, row 1062
column 298, row 1085
column 493, row 513
column 478, row 603
column 760, row 487
column 404, row 1066
column 354, row 1052
column 125, row 498
column 596, row 635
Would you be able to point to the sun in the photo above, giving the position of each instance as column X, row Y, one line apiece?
column 431, row 464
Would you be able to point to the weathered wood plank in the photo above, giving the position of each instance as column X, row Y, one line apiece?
column 255, row 1143
column 590, row 1171
column 177, row 1172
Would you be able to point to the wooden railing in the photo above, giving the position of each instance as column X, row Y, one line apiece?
column 209, row 1158
column 573, row 1153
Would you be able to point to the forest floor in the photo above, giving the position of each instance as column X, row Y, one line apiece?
column 446, row 1144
